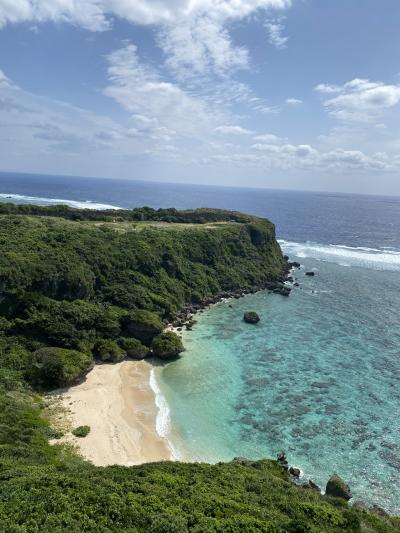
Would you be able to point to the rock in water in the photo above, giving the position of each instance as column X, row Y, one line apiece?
column 281, row 456
column 311, row 273
column 375, row 509
column 251, row 317
column 282, row 461
column 338, row 488
column 295, row 472
column 313, row 485
column 240, row 460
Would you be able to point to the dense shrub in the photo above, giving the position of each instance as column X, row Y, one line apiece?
column 167, row 345
column 81, row 431
column 142, row 324
column 108, row 350
column 172, row 498
column 58, row 367
column 133, row 348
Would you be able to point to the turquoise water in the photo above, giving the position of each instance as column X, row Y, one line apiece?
column 318, row 376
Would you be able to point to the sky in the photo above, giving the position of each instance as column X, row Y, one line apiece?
column 297, row 94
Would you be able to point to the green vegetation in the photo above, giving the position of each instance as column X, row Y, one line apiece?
column 167, row 345
column 143, row 325
column 140, row 214
column 133, row 348
column 172, row 498
column 81, row 285
column 57, row 367
column 81, row 431
column 74, row 286
column 108, row 350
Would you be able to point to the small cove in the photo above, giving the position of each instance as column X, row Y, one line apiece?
column 317, row 377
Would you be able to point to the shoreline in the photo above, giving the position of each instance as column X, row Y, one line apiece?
column 123, row 404
column 185, row 317
column 124, row 413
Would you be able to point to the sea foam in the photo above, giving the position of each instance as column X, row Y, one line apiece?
column 36, row 200
column 374, row 258
column 163, row 420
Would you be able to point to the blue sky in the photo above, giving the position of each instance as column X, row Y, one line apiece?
column 301, row 94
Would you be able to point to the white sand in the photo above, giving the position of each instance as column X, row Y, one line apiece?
column 118, row 404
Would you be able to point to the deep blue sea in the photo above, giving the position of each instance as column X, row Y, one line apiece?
column 319, row 376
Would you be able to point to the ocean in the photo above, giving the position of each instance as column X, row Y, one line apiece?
column 319, row 376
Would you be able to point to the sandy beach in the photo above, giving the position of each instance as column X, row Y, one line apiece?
column 118, row 403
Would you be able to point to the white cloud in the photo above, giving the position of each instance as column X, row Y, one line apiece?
column 293, row 101
column 360, row 99
column 170, row 11
column 43, row 133
column 355, row 160
column 326, row 88
column 233, row 130
column 89, row 14
column 192, row 33
column 199, row 45
column 282, row 155
column 161, row 128
column 158, row 107
column 286, row 154
column 269, row 138
column 275, row 30
column 3, row 79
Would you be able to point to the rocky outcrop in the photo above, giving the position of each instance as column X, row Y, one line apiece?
column 143, row 325
column 184, row 317
column 337, row 488
column 295, row 472
column 311, row 486
column 278, row 287
column 134, row 348
column 53, row 367
column 282, row 461
column 251, row 317
column 167, row 345
column 108, row 350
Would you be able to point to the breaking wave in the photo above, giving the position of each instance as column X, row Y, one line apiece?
column 36, row 200
column 373, row 258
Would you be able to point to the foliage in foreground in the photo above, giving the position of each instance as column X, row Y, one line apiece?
column 172, row 498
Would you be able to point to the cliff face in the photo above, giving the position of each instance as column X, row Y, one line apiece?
column 67, row 284
column 155, row 266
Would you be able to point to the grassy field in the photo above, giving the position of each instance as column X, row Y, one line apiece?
column 124, row 227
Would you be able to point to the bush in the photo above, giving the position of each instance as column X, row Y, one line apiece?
column 108, row 350
column 143, row 325
column 81, row 431
column 133, row 348
column 167, row 345
column 58, row 367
